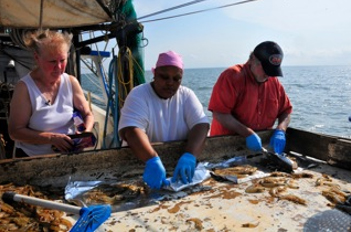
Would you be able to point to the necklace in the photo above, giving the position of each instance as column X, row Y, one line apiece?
column 47, row 89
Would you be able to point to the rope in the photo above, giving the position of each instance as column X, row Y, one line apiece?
column 199, row 11
column 124, row 87
column 16, row 36
column 140, row 69
column 110, row 100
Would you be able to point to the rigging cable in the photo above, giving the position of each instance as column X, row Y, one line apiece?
column 196, row 12
column 172, row 8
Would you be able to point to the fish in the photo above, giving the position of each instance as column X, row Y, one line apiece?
column 282, row 161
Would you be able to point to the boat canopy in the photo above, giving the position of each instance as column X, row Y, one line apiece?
column 56, row 14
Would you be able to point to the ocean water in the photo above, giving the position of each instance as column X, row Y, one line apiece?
column 321, row 95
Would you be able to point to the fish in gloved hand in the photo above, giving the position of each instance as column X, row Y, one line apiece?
column 283, row 162
column 186, row 173
column 201, row 173
column 185, row 168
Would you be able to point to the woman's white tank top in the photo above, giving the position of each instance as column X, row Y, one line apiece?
column 49, row 117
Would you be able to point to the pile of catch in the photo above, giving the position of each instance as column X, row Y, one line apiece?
column 26, row 217
column 114, row 194
column 21, row 216
column 277, row 183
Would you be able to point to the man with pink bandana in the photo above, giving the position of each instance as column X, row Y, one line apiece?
column 161, row 111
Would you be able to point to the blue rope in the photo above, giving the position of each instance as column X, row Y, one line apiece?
column 104, row 79
column 110, row 103
column 116, row 106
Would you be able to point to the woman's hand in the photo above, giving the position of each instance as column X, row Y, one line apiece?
column 61, row 143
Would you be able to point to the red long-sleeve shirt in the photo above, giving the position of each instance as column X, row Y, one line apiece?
column 256, row 105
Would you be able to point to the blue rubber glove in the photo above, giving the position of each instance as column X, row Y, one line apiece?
column 154, row 173
column 185, row 168
column 253, row 142
column 278, row 141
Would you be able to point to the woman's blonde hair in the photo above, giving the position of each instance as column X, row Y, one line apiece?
column 46, row 39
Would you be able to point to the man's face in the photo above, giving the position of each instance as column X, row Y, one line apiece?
column 258, row 72
column 167, row 81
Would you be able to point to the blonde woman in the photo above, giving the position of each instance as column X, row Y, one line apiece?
column 44, row 100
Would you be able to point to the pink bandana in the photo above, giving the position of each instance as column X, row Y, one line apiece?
column 169, row 58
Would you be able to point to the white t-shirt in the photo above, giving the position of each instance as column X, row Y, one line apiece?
column 162, row 119
column 56, row 117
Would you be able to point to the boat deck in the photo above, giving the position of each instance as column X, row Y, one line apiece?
column 213, row 205
column 225, row 206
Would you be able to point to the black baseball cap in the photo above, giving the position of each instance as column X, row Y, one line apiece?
column 270, row 55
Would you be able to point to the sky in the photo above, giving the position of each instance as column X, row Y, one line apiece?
column 310, row 32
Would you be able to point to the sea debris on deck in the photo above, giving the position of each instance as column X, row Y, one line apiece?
column 26, row 217
column 284, row 199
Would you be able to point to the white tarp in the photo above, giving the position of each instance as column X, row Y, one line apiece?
column 56, row 13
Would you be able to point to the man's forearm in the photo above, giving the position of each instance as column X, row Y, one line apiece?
column 283, row 122
column 232, row 124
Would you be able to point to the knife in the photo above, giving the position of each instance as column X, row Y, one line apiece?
column 236, row 160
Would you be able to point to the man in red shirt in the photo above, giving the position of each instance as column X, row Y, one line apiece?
column 249, row 97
